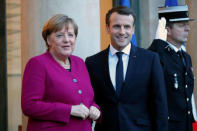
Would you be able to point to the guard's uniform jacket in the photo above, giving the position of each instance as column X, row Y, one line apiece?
column 179, row 82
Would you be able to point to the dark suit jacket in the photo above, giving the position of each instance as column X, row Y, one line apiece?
column 142, row 103
column 179, row 97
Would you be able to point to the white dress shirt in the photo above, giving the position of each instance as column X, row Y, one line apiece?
column 113, row 60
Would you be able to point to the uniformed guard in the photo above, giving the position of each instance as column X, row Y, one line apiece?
column 171, row 34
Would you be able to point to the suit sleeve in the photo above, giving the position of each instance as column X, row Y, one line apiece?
column 86, row 69
column 156, row 44
column 94, row 103
column 159, row 96
column 33, row 90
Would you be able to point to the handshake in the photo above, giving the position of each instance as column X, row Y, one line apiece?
column 83, row 112
column 161, row 32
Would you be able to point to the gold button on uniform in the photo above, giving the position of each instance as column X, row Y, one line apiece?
column 187, row 99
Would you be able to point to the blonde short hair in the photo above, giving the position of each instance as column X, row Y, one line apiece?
column 56, row 23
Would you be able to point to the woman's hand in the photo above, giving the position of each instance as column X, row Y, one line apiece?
column 94, row 113
column 80, row 111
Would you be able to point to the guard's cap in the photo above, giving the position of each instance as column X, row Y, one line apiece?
column 174, row 13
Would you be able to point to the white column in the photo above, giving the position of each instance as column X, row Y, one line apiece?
column 147, row 20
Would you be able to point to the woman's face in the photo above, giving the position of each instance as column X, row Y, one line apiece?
column 62, row 42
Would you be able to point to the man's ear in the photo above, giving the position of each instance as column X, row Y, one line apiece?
column 133, row 29
column 107, row 29
column 168, row 30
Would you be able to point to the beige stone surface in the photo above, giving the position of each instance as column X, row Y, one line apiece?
column 14, row 64
column 14, row 103
column 13, row 37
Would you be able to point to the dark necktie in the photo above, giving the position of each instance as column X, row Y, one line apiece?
column 180, row 53
column 119, row 72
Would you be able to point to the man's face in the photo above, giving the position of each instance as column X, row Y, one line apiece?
column 178, row 34
column 120, row 29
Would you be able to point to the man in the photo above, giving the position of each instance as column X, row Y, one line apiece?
column 128, row 81
column 177, row 66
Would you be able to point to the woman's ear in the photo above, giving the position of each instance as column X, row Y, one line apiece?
column 48, row 41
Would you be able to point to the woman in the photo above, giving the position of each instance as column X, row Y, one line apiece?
column 56, row 88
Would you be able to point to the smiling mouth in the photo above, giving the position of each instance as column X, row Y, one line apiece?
column 66, row 47
column 121, row 39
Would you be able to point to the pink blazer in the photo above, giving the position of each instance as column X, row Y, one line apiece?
column 49, row 91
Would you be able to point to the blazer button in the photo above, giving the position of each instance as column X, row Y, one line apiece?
column 186, row 86
column 80, row 91
column 185, row 73
column 188, row 112
column 168, row 117
column 74, row 80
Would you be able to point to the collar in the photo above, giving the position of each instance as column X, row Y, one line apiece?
column 173, row 47
column 126, row 50
column 65, row 65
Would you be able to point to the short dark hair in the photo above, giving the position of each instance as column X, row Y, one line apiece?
column 122, row 10
column 170, row 24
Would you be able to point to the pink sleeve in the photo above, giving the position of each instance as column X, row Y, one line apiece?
column 33, row 89
column 94, row 104
column 100, row 118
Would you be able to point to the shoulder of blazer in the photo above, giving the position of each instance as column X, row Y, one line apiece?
column 42, row 58
column 158, row 45
column 76, row 59
column 137, row 51
column 99, row 56
column 187, row 56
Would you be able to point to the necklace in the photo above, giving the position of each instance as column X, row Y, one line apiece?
column 66, row 64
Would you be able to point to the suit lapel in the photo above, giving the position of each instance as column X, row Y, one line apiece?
column 106, row 72
column 166, row 49
column 186, row 61
column 130, row 67
column 176, row 58
column 172, row 54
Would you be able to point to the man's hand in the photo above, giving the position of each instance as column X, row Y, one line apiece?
column 94, row 113
column 161, row 32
